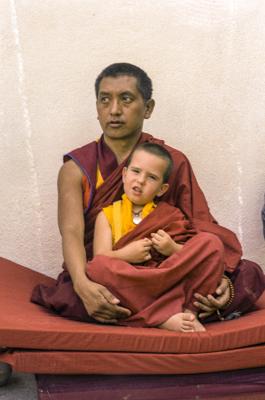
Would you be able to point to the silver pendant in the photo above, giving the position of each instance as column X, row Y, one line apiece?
column 137, row 219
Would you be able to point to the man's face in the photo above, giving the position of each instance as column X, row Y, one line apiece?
column 121, row 107
column 143, row 178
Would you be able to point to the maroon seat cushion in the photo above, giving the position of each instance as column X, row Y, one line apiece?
column 24, row 325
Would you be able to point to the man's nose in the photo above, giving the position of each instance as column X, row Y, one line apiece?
column 115, row 107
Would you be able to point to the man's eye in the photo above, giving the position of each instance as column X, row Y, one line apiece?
column 153, row 178
column 127, row 99
column 104, row 100
column 136, row 171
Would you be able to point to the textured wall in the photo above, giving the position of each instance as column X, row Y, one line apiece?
column 207, row 61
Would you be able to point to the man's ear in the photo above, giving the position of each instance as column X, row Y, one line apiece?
column 149, row 106
column 124, row 172
column 163, row 189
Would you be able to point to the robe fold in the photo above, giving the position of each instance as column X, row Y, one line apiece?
column 184, row 193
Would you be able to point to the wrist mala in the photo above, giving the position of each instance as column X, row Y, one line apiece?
column 231, row 298
column 232, row 291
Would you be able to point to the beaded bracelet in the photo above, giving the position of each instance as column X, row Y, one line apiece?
column 230, row 301
column 232, row 291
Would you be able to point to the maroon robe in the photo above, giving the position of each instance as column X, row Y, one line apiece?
column 162, row 286
column 184, row 193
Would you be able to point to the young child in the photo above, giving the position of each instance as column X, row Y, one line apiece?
column 143, row 249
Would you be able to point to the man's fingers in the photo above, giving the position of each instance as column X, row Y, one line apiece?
column 222, row 286
column 105, row 320
column 109, row 296
column 111, row 305
column 202, row 300
column 204, row 307
column 112, row 311
column 122, row 312
column 118, row 311
column 103, row 315
column 214, row 302
column 205, row 314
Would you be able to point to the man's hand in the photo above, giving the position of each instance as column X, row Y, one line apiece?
column 164, row 244
column 137, row 251
column 100, row 303
column 209, row 304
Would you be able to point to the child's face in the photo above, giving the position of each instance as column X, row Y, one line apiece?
column 143, row 178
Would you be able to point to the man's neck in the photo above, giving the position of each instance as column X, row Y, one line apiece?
column 122, row 147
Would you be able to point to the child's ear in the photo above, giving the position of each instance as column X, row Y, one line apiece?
column 124, row 172
column 163, row 189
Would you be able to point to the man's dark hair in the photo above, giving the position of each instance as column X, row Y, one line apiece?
column 157, row 150
column 144, row 83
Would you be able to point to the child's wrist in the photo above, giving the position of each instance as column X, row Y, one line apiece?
column 178, row 246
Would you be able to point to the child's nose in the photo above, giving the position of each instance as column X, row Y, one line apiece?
column 141, row 178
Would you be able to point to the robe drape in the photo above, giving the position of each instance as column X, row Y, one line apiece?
column 162, row 286
column 184, row 193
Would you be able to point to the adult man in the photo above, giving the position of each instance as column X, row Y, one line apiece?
column 91, row 179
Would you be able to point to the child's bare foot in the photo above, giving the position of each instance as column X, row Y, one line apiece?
column 198, row 327
column 183, row 322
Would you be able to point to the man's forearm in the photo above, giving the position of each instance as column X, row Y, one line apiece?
column 75, row 257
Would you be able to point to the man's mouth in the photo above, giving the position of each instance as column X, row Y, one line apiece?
column 116, row 123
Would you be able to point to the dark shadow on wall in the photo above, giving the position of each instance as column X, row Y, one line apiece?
column 263, row 218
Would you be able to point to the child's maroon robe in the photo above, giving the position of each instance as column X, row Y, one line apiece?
column 162, row 286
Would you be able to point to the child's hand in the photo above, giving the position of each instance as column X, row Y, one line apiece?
column 138, row 251
column 164, row 244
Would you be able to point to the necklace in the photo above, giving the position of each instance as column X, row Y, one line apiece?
column 137, row 217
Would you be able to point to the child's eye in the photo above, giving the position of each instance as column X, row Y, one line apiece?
column 153, row 178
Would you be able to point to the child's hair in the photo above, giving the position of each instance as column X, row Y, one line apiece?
column 157, row 150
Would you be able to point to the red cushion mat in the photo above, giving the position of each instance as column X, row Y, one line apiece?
column 89, row 348
column 85, row 362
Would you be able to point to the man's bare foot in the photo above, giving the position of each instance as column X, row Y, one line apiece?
column 183, row 322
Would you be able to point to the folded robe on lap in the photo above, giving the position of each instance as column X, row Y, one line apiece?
column 162, row 286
